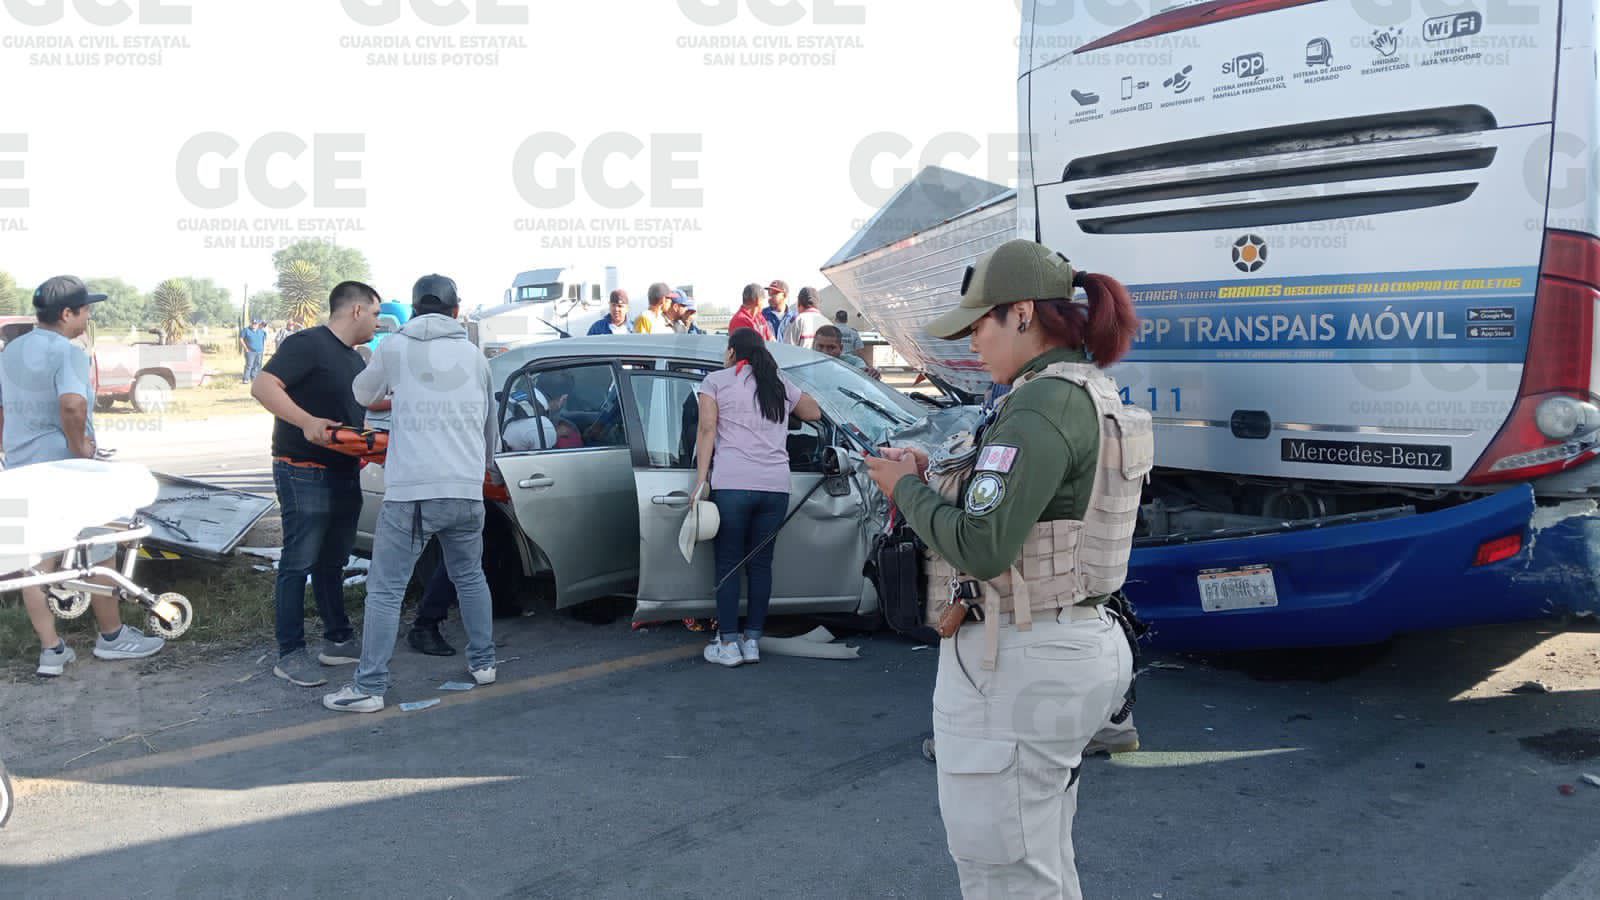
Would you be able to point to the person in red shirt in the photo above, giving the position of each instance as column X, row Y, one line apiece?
column 749, row 314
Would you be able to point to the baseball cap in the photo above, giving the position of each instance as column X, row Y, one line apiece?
column 64, row 292
column 778, row 287
column 808, row 295
column 434, row 292
column 686, row 301
column 1014, row 271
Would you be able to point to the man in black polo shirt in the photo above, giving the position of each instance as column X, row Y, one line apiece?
column 306, row 385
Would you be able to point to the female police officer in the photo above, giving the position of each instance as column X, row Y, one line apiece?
column 1029, row 537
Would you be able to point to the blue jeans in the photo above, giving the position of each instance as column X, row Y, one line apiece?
column 404, row 528
column 252, row 365
column 748, row 518
column 320, row 508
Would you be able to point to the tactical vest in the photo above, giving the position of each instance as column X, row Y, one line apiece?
column 1063, row 562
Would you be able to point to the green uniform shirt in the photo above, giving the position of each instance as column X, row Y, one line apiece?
column 1036, row 464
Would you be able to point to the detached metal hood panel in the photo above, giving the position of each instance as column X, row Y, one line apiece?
column 202, row 520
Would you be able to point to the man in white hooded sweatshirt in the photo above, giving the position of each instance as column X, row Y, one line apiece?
column 442, row 440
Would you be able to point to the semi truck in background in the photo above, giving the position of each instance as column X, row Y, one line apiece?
column 1364, row 244
column 549, row 304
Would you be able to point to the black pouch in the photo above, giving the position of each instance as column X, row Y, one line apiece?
column 897, row 564
column 1122, row 610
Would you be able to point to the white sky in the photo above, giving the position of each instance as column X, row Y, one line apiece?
column 103, row 141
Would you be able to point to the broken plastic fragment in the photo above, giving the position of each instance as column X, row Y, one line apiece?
column 420, row 704
column 1567, row 790
column 456, row 686
column 1531, row 687
column 1591, row 780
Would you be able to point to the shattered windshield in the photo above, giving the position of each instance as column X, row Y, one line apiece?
column 849, row 396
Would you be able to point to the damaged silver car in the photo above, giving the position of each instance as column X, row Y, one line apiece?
column 597, row 489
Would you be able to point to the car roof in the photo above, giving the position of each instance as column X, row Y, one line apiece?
column 707, row 348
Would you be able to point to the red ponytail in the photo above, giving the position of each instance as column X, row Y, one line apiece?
column 1112, row 321
column 1106, row 329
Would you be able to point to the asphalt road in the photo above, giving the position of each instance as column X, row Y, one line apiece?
column 609, row 763
column 231, row 451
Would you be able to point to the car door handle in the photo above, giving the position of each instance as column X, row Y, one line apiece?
column 537, row 481
column 676, row 500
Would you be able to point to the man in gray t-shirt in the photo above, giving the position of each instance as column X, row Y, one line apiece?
column 46, row 399
column 43, row 378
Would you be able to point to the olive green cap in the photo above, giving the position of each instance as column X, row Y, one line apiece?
column 1016, row 270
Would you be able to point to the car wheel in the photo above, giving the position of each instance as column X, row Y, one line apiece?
column 151, row 393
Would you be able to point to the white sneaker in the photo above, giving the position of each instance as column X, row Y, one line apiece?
column 130, row 643
column 54, row 662
column 350, row 699
column 724, row 654
column 483, row 676
column 750, row 649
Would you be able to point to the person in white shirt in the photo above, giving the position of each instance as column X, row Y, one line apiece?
column 802, row 330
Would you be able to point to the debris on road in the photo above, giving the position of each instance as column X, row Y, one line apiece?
column 1298, row 717
column 456, row 686
column 816, row 644
column 1531, row 687
column 1567, row 790
column 1591, row 780
column 1171, row 667
column 419, row 705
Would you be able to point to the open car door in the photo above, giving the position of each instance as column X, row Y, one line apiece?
column 570, row 475
column 820, row 552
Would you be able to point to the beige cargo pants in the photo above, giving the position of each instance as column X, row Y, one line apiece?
column 1008, row 740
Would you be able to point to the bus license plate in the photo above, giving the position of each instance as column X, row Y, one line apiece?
column 1250, row 587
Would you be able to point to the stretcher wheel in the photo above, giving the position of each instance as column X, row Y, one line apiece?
column 171, row 616
column 5, row 796
column 66, row 604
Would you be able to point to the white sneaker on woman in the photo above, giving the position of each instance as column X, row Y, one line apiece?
column 724, row 654
column 750, row 649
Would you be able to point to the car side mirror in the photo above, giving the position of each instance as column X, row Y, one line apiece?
column 836, row 461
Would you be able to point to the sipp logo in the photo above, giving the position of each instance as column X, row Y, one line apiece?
column 12, row 170
column 1250, row 65
column 326, row 170
column 667, row 174
column 376, row 13
column 773, row 12
column 100, row 12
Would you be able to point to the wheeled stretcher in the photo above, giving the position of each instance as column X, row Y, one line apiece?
column 80, row 512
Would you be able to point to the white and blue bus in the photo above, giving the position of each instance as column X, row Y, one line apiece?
column 1361, row 237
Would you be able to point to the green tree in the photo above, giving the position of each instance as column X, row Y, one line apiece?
column 332, row 262
column 303, row 287
column 10, row 298
column 125, row 307
column 266, row 305
column 172, row 308
column 213, row 305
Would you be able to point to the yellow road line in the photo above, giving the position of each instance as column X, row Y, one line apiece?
column 335, row 723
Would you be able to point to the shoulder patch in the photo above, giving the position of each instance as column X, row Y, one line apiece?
column 997, row 458
column 985, row 493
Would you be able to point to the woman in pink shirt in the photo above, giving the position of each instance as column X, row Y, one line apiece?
column 742, row 453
